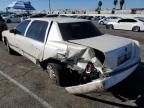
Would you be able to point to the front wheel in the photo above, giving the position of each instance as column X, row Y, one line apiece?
column 10, row 51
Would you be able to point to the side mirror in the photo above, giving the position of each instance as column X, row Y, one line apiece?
column 13, row 31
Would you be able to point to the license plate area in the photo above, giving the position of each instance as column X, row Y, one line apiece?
column 123, row 58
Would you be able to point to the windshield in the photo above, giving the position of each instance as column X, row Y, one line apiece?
column 142, row 20
column 78, row 30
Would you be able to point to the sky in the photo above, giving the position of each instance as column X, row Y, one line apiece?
column 75, row 4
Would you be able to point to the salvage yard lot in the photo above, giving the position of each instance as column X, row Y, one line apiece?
column 128, row 93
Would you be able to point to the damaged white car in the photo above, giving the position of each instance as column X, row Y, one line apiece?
column 74, row 52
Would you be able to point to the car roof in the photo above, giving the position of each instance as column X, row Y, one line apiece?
column 61, row 20
column 131, row 18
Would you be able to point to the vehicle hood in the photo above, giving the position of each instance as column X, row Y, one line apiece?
column 104, row 43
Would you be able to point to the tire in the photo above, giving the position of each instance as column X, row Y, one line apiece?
column 136, row 29
column 0, row 36
column 10, row 51
column 110, row 27
column 8, row 21
column 55, row 71
column 102, row 23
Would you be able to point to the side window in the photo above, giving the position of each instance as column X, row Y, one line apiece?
column 114, row 17
column 20, row 29
column 37, row 30
column 132, row 20
column 122, row 20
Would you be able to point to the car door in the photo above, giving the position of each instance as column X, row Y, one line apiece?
column 120, row 24
column 16, row 39
column 130, row 24
column 35, row 40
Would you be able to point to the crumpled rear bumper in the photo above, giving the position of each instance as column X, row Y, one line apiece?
column 100, row 85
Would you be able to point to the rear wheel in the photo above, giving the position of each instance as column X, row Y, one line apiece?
column 136, row 29
column 102, row 23
column 55, row 71
column 8, row 21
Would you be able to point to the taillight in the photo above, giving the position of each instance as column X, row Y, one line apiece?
column 89, row 68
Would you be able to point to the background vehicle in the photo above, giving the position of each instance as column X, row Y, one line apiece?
column 97, row 18
column 89, row 17
column 12, row 19
column 3, row 26
column 127, row 24
column 102, row 21
column 109, row 19
column 66, row 48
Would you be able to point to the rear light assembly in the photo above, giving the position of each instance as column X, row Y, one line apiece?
column 89, row 68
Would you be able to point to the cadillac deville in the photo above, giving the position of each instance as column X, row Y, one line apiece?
column 67, row 46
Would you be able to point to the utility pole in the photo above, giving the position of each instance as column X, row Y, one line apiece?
column 50, row 6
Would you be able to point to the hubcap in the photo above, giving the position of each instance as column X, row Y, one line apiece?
column 51, row 72
column 136, row 28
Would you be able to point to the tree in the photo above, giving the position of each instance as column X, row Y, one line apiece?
column 121, row 4
column 115, row 3
column 99, row 5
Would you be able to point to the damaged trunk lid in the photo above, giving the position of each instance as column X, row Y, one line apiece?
column 103, row 43
column 113, row 48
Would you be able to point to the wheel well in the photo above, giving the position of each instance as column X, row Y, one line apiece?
column 5, row 40
column 135, row 26
column 44, row 63
column 8, row 20
column 112, row 26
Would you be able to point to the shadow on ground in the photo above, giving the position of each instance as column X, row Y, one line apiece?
column 130, row 89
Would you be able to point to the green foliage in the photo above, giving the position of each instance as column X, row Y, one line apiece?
column 121, row 4
column 99, row 5
column 115, row 3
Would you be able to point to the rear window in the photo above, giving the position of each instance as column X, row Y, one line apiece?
column 78, row 30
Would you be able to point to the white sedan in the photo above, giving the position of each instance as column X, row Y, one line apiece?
column 96, row 61
column 109, row 19
column 127, row 24
column 12, row 19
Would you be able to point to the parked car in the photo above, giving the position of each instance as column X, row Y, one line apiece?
column 71, row 52
column 3, row 26
column 109, row 19
column 82, row 17
column 89, row 17
column 127, row 24
column 102, row 21
column 97, row 18
column 38, row 15
column 12, row 19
